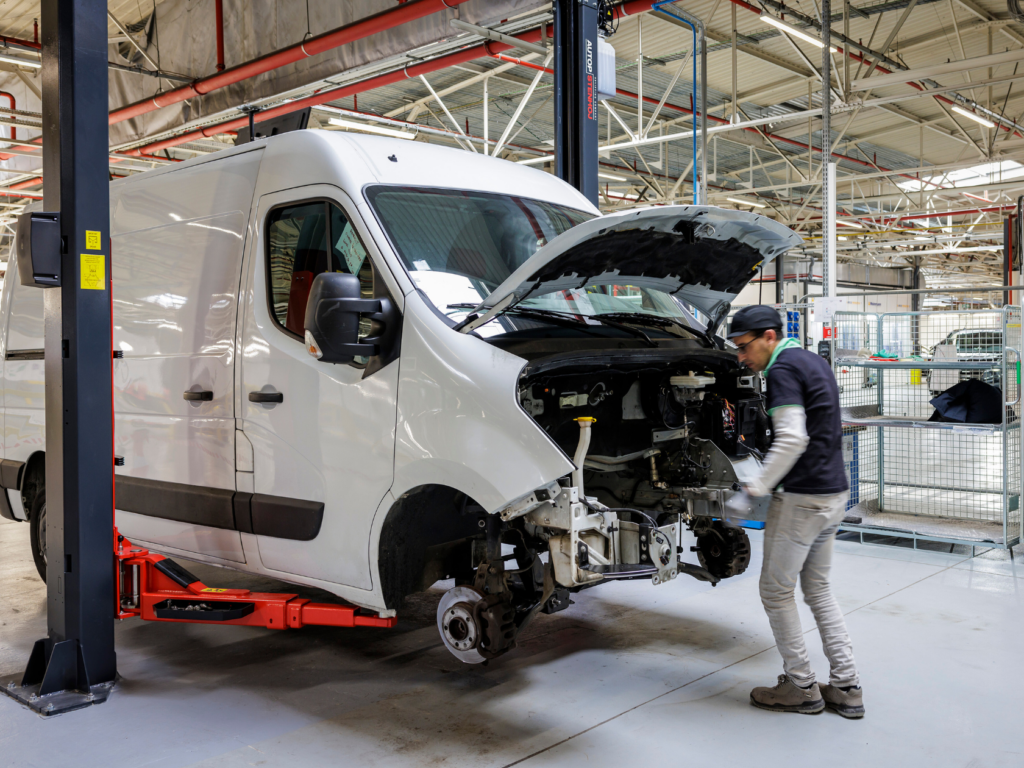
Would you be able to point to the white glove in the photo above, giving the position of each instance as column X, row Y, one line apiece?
column 738, row 505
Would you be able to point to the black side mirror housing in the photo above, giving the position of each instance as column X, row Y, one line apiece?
column 333, row 312
column 39, row 249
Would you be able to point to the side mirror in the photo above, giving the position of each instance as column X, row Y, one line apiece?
column 332, row 319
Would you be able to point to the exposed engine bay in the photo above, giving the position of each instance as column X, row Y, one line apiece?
column 661, row 440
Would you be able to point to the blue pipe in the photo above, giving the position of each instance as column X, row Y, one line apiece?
column 703, row 106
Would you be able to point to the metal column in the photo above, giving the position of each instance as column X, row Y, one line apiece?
column 576, row 94
column 74, row 666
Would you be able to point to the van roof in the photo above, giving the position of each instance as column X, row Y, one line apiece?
column 352, row 161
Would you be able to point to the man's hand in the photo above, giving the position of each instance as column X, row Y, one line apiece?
column 738, row 505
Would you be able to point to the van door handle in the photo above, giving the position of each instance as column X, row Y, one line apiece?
column 203, row 394
column 266, row 397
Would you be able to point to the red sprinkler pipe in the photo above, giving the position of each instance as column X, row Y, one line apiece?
column 218, row 7
column 19, row 43
column 380, row 22
column 451, row 60
column 14, row 108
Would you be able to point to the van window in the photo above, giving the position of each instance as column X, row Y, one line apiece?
column 304, row 240
column 25, row 329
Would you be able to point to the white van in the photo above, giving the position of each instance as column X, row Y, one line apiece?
column 367, row 365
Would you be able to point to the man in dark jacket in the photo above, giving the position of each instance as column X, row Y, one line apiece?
column 806, row 457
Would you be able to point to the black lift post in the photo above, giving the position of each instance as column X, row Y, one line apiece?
column 74, row 665
column 576, row 102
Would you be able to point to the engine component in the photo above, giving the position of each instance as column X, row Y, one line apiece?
column 723, row 549
column 688, row 389
column 459, row 624
column 582, row 447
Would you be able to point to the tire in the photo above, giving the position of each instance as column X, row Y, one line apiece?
column 37, row 533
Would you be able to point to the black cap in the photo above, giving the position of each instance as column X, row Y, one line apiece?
column 755, row 318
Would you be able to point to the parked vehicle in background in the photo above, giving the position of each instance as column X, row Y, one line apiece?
column 974, row 345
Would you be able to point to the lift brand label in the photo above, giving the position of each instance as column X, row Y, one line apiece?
column 93, row 240
column 94, row 272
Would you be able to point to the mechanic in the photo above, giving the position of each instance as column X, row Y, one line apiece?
column 803, row 517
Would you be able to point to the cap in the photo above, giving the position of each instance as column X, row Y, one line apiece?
column 754, row 318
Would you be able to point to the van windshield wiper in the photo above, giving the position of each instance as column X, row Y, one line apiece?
column 660, row 321
column 565, row 318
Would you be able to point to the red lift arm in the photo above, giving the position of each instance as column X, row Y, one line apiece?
column 155, row 588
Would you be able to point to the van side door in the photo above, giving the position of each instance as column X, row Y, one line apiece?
column 322, row 435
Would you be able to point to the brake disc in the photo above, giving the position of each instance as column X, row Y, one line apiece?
column 458, row 624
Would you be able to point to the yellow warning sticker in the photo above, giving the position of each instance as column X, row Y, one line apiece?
column 94, row 272
column 214, row 589
column 93, row 242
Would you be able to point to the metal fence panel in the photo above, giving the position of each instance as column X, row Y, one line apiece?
column 909, row 474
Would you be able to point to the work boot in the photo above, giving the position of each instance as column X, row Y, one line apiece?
column 848, row 702
column 787, row 696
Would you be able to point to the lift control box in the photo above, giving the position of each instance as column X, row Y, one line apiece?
column 39, row 249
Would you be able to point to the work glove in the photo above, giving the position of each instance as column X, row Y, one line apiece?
column 738, row 505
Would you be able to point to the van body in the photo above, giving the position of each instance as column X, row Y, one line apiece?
column 542, row 409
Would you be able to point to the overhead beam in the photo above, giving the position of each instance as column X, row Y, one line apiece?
column 900, row 78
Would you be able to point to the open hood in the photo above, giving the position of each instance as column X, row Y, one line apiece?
column 702, row 254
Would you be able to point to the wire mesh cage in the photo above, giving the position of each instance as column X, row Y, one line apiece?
column 929, row 455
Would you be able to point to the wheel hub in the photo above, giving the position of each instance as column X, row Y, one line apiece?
column 459, row 625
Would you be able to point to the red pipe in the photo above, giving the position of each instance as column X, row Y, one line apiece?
column 358, row 30
column 5, row 41
column 218, row 7
column 14, row 107
column 452, row 59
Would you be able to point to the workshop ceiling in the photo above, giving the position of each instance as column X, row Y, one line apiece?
column 884, row 139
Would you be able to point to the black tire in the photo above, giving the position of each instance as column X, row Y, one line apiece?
column 37, row 533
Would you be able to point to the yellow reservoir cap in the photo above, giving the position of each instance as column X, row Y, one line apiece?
column 591, row 419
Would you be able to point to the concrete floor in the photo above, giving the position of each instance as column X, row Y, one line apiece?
column 630, row 675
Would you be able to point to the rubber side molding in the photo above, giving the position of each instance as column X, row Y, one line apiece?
column 11, row 474
column 276, row 516
column 286, row 518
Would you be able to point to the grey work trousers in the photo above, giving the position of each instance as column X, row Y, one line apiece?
column 798, row 539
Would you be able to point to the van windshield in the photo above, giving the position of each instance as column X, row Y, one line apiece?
column 460, row 245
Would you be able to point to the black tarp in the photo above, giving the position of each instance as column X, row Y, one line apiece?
column 969, row 402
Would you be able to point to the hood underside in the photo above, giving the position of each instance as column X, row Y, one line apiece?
column 702, row 254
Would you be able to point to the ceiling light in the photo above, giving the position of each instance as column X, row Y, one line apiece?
column 536, row 160
column 840, row 237
column 922, row 238
column 789, row 29
column 972, row 116
column 352, row 126
column 20, row 62
column 746, row 202
column 848, row 224
column 610, row 177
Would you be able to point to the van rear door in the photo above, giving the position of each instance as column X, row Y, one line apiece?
column 322, row 435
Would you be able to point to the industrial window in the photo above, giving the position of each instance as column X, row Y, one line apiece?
column 303, row 240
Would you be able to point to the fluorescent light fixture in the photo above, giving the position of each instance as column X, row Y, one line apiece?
column 848, row 224
column 789, row 29
column 349, row 125
column 972, row 116
column 610, row 177
column 746, row 202
column 840, row 237
column 536, row 160
column 922, row 238
column 19, row 61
